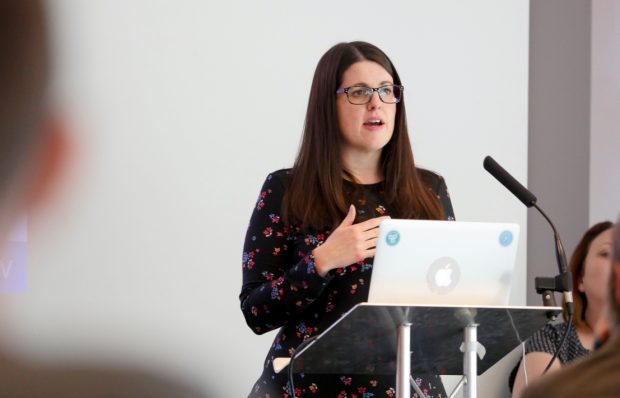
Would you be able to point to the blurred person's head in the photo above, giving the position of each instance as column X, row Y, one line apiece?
column 589, row 266
column 31, row 140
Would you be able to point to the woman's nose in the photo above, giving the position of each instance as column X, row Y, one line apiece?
column 375, row 101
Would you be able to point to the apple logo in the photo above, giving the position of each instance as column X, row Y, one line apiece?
column 443, row 275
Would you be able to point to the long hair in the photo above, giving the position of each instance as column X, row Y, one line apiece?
column 315, row 197
column 615, row 308
column 577, row 266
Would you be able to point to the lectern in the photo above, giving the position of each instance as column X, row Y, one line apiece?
column 416, row 340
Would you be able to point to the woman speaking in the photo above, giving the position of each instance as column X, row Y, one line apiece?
column 311, row 240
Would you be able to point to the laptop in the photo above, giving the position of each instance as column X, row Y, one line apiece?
column 421, row 262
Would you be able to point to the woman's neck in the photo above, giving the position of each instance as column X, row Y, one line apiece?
column 593, row 314
column 365, row 168
column 586, row 331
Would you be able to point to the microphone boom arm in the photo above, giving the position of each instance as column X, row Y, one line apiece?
column 561, row 283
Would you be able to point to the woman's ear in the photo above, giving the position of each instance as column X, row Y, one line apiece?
column 580, row 286
column 48, row 161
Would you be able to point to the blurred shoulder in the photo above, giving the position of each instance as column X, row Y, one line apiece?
column 19, row 379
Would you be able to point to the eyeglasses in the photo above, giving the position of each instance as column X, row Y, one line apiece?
column 361, row 95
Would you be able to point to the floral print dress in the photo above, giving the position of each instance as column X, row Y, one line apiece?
column 281, row 289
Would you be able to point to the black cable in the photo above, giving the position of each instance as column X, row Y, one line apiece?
column 569, row 324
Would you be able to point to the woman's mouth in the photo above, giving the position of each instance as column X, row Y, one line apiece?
column 374, row 122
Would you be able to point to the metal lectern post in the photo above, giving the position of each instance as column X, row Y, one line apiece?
column 470, row 361
column 403, row 361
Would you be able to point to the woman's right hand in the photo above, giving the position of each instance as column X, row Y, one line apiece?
column 347, row 244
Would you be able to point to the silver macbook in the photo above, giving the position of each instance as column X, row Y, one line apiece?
column 421, row 262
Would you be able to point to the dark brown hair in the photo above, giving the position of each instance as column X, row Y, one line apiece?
column 315, row 196
column 616, row 254
column 23, row 78
column 615, row 308
column 577, row 265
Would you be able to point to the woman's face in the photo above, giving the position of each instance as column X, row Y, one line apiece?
column 365, row 128
column 597, row 267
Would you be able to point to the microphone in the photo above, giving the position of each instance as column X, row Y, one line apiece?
column 514, row 186
column 562, row 282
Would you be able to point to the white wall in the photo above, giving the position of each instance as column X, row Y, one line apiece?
column 180, row 109
column 604, row 115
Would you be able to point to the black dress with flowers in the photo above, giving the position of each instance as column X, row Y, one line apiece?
column 281, row 289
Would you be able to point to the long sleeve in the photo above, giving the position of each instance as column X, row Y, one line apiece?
column 277, row 283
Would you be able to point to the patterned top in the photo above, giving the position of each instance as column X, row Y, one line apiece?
column 548, row 339
column 281, row 289
column 594, row 376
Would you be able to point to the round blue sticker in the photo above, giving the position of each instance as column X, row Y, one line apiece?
column 505, row 238
column 392, row 238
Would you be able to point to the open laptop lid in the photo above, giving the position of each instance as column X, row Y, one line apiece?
column 420, row 262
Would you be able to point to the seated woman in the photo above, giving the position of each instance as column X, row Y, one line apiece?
column 590, row 265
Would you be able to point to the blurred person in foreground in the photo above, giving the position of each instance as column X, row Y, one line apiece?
column 597, row 375
column 33, row 145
